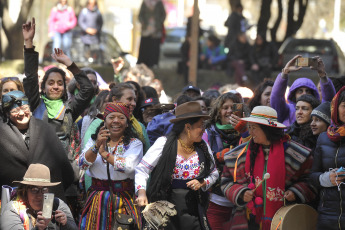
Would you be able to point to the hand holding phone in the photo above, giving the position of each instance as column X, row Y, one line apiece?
column 342, row 171
column 237, row 109
column 48, row 205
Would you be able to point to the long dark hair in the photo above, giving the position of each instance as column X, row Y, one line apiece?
column 63, row 74
column 256, row 99
column 97, row 105
column 272, row 134
column 160, row 182
column 128, row 134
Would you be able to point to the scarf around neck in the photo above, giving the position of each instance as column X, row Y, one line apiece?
column 55, row 108
column 137, row 128
column 272, row 190
column 336, row 131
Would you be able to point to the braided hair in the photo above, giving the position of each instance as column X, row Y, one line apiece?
column 161, row 176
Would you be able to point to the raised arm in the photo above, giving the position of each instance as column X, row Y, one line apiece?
column 31, row 83
column 327, row 87
column 278, row 90
column 81, row 101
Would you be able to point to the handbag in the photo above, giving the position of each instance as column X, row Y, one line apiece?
column 120, row 221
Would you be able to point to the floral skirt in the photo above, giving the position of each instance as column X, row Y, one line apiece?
column 96, row 214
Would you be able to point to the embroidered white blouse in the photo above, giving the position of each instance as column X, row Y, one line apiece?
column 185, row 169
column 126, row 158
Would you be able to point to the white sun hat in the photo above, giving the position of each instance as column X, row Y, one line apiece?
column 264, row 115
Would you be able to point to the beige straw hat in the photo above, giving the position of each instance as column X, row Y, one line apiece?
column 264, row 115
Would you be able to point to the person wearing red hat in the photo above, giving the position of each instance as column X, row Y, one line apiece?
column 109, row 158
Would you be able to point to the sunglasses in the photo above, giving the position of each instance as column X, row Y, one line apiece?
column 9, row 79
column 36, row 190
column 24, row 108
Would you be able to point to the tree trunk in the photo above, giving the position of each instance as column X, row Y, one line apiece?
column 277, row 23
column 265, row 15
column 13, row 30
column 294, row 25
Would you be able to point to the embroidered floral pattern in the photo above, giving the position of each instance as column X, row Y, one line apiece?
column 187, row 168
column 120, row 164
column 275, row 194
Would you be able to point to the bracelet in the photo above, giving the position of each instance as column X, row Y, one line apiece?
column 107, row 156
column 94, row 149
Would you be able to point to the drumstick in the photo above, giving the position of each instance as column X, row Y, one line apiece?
column 266, row 176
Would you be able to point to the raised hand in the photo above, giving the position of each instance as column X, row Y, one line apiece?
column 60, row 57
column 28, row 30
column 320, row 67
column 117, row 64
column 291, row 65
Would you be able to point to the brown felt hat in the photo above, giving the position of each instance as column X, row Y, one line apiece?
column 37, row 175
column 188, row 110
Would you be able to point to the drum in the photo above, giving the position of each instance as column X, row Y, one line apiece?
column 296, row 217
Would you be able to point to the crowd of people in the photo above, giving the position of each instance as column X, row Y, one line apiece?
column 223, row 160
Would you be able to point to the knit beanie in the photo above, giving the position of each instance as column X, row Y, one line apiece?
column 313, row 101
column 323, row 112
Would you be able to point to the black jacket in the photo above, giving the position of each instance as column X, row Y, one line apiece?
column 303, row 135
column 329, row 155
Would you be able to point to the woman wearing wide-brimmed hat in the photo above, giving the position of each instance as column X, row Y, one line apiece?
column 268, row 151
column 182, row 169
column 25, row 212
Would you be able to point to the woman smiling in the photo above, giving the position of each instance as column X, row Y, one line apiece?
column 113, row 146
column 269, row 151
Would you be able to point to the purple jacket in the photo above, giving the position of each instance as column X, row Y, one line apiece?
column 286, row 111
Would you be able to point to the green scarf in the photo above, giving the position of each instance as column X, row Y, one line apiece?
column 226, row 129
column 54, row 107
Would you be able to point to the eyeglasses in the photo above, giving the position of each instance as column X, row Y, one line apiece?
column 36, row 190
column 9, row 78
column 24, row 108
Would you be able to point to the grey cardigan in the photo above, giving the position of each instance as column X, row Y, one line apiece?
column 10, row 219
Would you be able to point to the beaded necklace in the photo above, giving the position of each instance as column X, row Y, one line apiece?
column 188, row 149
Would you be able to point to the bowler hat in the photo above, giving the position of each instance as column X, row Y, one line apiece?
column 188, row 110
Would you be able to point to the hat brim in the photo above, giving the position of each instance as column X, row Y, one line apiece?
column 263, row 122
column 187, row 117
column 38, row 183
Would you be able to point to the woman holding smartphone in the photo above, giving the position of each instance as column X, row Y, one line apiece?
column 222, row 137
column 114, row 145
column 25, row 212
column 329, row 155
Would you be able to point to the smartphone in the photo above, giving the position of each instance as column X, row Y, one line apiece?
column 306, row 62
column 237, row 109
column 48, row 205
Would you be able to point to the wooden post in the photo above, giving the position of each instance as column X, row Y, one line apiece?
column 193, row 67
